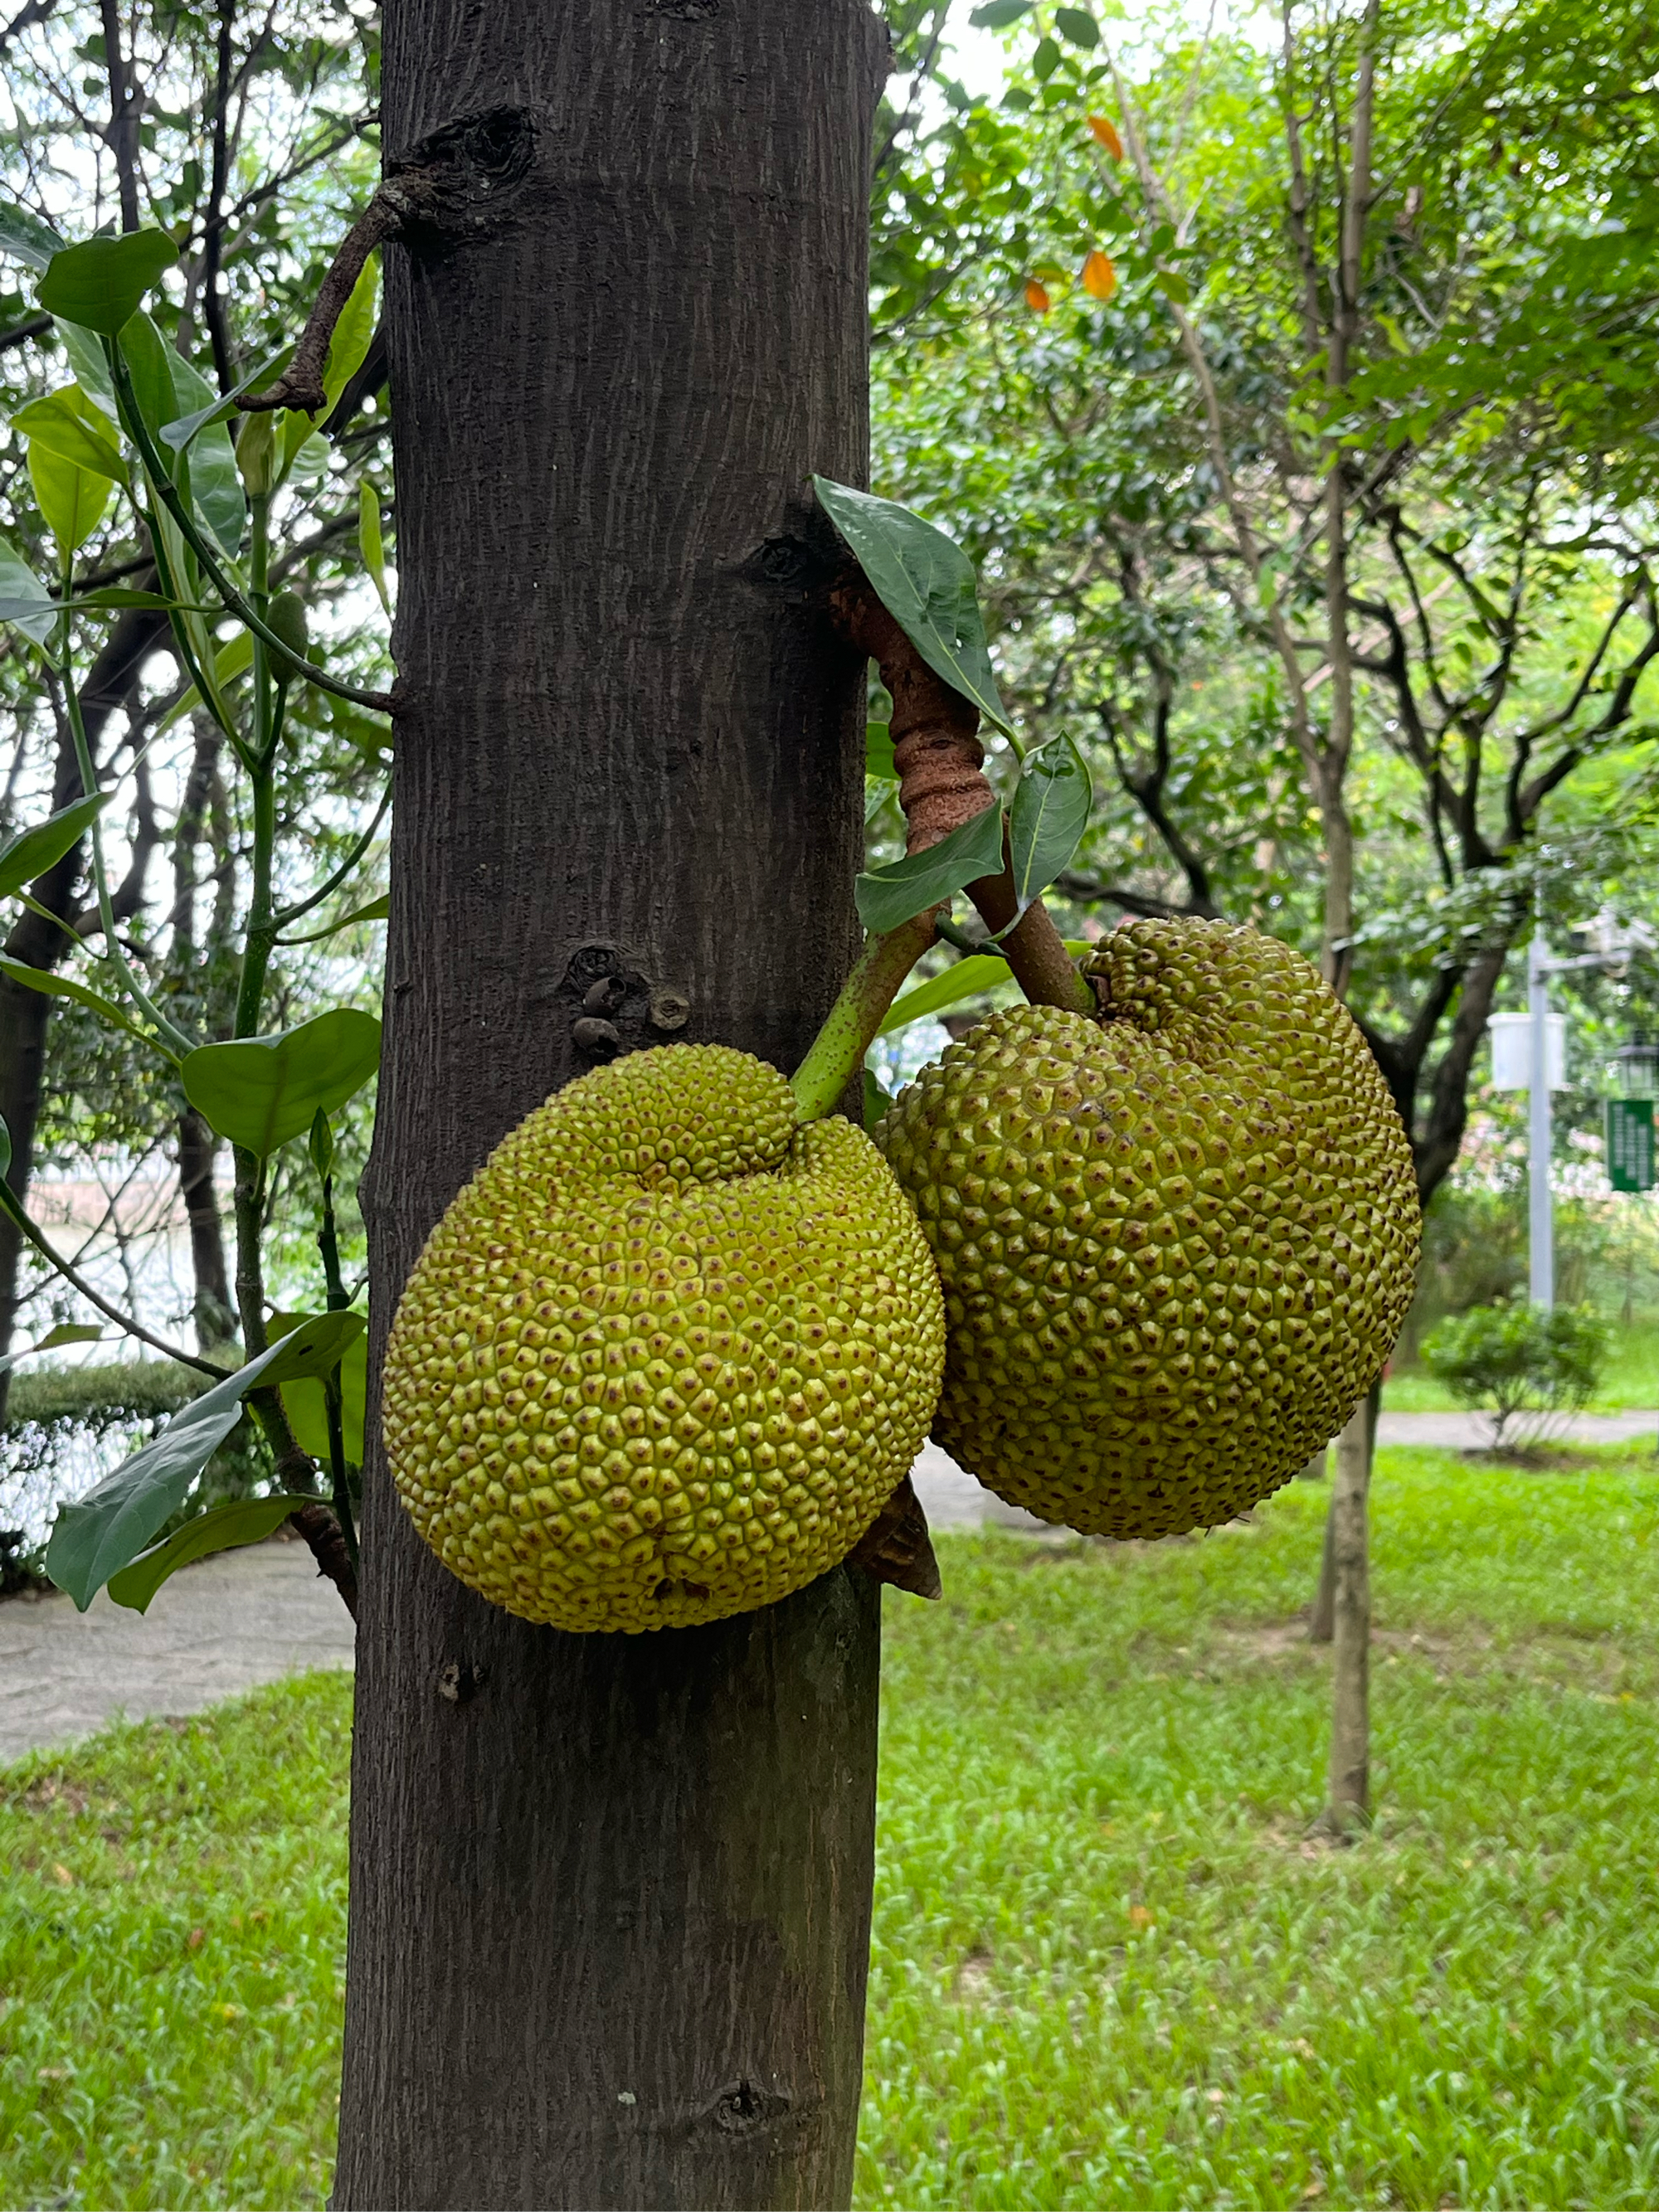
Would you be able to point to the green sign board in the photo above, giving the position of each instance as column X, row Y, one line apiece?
column 1629, row 1144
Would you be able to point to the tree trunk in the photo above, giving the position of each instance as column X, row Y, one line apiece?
column 1321, row 1623
column 1348, row 1798
column 610, row 1895
column 25, row 1014
column 198, row 1149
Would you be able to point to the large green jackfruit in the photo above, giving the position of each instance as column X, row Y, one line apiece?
column 1177, row 1244
column 667, row 1354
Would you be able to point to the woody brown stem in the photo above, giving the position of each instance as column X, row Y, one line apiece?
column 942, row 785
column 301, row 385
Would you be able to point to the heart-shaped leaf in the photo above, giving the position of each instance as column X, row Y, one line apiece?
column 98, row 1535
column 927, row 583
column 259, row 1091
column 221, row 1528
column 99, row 283
column 1049, row 815
column 887, row 897
column 26, row 858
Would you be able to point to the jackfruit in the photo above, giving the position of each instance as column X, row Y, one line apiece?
column 667, row 1354
column 1177, row 1244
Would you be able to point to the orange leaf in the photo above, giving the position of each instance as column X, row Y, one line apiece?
column 1103, row 133
column 1036, row 298
column 1099, row 277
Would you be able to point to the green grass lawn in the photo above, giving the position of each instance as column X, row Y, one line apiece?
column 1630, row 1378
column 1109, row 1967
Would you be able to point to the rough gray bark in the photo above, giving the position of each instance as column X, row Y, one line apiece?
column 1348, row 1792
column 609, row 1895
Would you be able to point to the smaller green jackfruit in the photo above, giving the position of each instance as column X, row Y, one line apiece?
column 667, row 1354
column 1176, row 1243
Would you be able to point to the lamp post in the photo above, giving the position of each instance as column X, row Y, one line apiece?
column 1613, row 945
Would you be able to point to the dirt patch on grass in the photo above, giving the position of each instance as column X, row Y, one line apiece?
column 1556, row 1654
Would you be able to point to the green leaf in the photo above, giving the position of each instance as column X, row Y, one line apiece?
column 1173, row 285
column 221, row 1528
column 148, row 359
column 979, row 971
column 65, row 1333
column 370, row 544
column 1045, row 59
column 26, row 237
column 21, row 590
column 98, row 1535
column 99, row 283
column 211, row 407
column 1049, row 816
column 996, row 14
column 1078, row 25
column 66, row 422
column 91, row 370
column 879, row 751
column 927, row 583
column 349, row 345
column 876, row 1100
column 887, row 897
column 207, row 455
column 307, row 1409
column 25, row 857
column 72, row 499
column 376, row 910
column 52, row 986
column 320, row 1144
column 877, row 790
column 259, row 1091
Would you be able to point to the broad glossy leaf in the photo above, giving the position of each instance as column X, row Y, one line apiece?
column 1078, row 25
column 98, row 1535
column 221, row 1528
column 927, row 583
column 26, row 237
column 208, row 456
column 21, row 590
column 99, row 283
column 68, row 422
column 91, row 370
column 148, row 359
column 25, row 857
column 1049, row 815
column 259, row 1091
column 887, row 897
column 72, row 499
column 212, row 407
column 979, row 971
column 65, row 1333
column 370, row 544
column 307, row 1410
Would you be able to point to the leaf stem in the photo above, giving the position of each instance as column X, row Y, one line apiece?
column 836, row 1054
column 236, row 602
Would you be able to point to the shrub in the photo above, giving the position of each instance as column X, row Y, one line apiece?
column 64, row 1426
column 1528, row 1367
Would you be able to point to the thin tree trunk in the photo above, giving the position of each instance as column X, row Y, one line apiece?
column 24, row 1013
column 198, row 1147
column 1321, row 1625
column 1348, row 1797
column 610, row 1895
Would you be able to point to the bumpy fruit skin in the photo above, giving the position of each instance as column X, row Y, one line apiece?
column 1176, row 1244
column 666, row 1355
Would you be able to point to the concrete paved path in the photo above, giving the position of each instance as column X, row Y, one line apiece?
column 250, row 1616
column 234, row 1621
